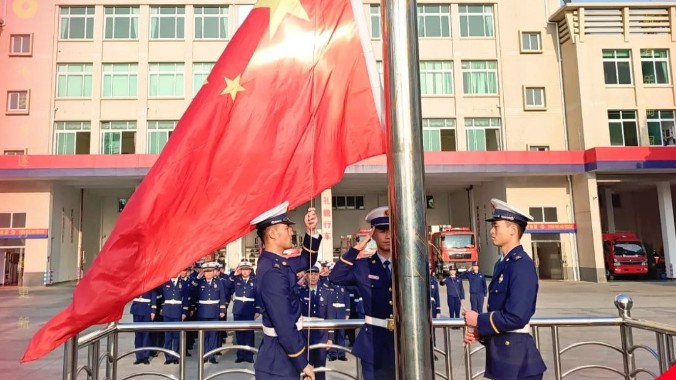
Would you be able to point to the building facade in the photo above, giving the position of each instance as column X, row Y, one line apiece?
column 566, row 112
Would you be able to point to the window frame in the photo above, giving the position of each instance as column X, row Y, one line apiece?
column 543, row 210
column 654, row 60
column 156, row 129
column 650, row 118
column 487, row 71
column 622, row 122
column 201, row 72
column 373, row 17
column 344, row 198
column 18, row 111
column 441, row 15
column 112, row 74
column 14, row 53
column 110, row 130
column 466, row 14
column 134, row 12
column 617, row 61
column 219, row 16
column 450, row 124
column 498, row 129
column 89, row 18
column 84, row 73
column 534, row 107
column 85, row 127
column 523, row 48
column 177, row 72
column 179, row 33
column 434, row 72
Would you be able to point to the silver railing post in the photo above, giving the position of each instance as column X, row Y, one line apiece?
column 182, row 342
column 448, row 362
column 468, row 358
column 556, row 347
column 662, row 352
column 109, row 355
column 200, row 354
column 114, row 352
column 536, row 336
column 70, row 359
column 359, row 373
column 93, row 354
column 624, row 303
column 670, row 349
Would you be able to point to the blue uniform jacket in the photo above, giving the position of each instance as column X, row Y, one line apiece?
column 209, row 299
column 434, row 297
column 341, row 301
column 369, row 275
column 511, row 304
column 244, row 296
column 145, row 304
column 454, row 287
column 320, row 305
column 477, row 283
column 279, row 302
column 176, row 299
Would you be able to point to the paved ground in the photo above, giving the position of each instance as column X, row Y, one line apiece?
column 21, row 316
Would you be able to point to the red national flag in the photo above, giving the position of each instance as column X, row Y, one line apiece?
column 288, row 106
column 669, row 375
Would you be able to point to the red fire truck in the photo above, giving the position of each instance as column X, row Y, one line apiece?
column 624, row 254
column 452, row 245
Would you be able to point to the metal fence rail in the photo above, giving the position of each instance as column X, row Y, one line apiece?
column 103, row 362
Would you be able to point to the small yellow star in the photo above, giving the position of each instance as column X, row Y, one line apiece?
column 232, row 87
column 279, row 9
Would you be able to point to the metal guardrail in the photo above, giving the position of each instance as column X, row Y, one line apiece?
column 108, row 361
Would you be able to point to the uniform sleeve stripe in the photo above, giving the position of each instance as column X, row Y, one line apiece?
column 309, row 250
column 490, row 318
column 297, row 354
column 346, row 262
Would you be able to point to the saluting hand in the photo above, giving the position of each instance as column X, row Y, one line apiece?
column 362, row 244
column 311, row 220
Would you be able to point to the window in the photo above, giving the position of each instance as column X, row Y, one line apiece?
column 243, row 11
column 350, row 202
column 74, row 80
column 617, row 66
column 17, row 102
column 531, row 42
column 211, row 22
column 436, row 78
column 20, row 45
column 476, row 20
column 534, row 98
column 158, row 135
column 118, row 137
column 381, row 71
column 121, row 23
column 13, row 220
column 623, row 128
column 166, row 80
column 120, row 80
column 439, row 135
column 375, row 22
column 434, row 20
column 76, row 23
column 13, row 152
column 543, row 214
column 72, row 137
column 538, row 148
column 480, row 77
column 655, row 66
column 483, row 134
column 167, row 22
column 200, row 72
column 661, row 127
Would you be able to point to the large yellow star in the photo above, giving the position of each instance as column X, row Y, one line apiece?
column 232, row 87
column 279, row 9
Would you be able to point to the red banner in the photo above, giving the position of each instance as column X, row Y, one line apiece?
column 551, row 227
column 24, row 233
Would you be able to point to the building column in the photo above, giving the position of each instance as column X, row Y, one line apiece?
column 326, row 226
column 667, row 223
column 610, row 211
column 588, row 219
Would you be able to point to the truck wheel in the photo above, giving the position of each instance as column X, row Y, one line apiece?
column 609, row 275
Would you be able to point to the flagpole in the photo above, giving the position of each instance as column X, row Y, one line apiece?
column 407, row 191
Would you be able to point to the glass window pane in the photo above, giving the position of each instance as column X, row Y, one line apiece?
column 5, row 220
column 616, row 137
column 550, row 214
column 19, row 220
column 536, row 213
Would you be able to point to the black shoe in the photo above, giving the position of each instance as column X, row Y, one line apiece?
column 188, row 354
column 175, row 361
column 138, row 361
column 146, row 361
column 331, row 359
column 217, row 354
column 342, row 359
column 155, row 353
column 239, row 360
column 204, row 360
column 213, row 361
column 167, row 362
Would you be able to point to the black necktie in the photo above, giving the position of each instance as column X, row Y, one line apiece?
column 386, row 263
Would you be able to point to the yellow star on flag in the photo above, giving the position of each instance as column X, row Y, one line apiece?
column 232, row 87
column 279, row 9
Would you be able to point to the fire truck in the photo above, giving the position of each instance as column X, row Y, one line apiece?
column 452, row 246
column 624, row 254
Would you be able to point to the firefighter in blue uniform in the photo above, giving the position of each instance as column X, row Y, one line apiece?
column 143, row 309
column 373, row 276
column 455, row 292
column 504, row 330
column 209, row 299
column 356, row 311
column 316, row 302
column 283, row 352
column 341, row 307
column 175, row 309
column 243, row 289
column 226, row 283
column 189, row 277
column 477, row 287
column 435, row 304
